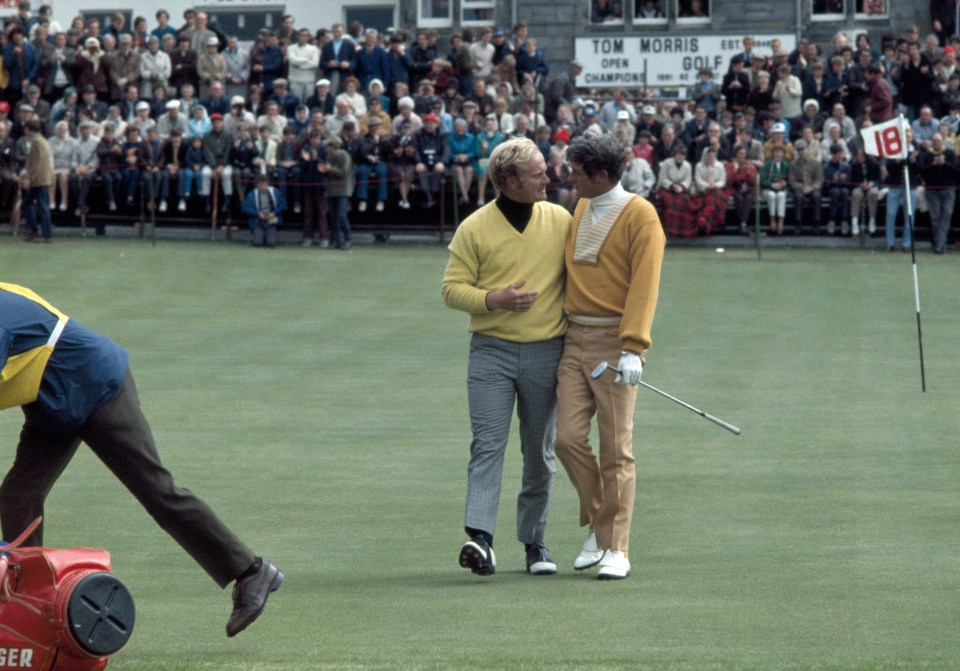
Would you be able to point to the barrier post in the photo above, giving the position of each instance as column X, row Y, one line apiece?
column 756, row 218
column 215, row 206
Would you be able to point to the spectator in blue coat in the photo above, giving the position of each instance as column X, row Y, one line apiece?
column 401, row 63
column 272, row 60
column 371, row 60
column 20, row 60
column 836, row 180
column 422, row 54
column 286, row 101
column 264, row 206
column 464, row 151
column 337, row 58
column 532, row 64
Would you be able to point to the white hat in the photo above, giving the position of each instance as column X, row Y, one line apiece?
column 322, row 82
column 623, row 114
column 142, row 105
column 649, row 109
column 173, row 104
column 405, row 101
column 213, row 42
column 778, row 128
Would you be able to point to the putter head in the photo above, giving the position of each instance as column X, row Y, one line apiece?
column 599, row 370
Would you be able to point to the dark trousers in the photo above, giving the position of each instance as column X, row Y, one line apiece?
column 130, row 179
column 743, row 204
column 339, row 223
column 82, row 186
column 36, row 209
column 264, row 235
column 119, row 435
column 114, row 181
column 288, row 180
column 802, row 201
column 315, row 213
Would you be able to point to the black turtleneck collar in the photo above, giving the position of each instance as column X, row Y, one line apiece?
column 518, row 214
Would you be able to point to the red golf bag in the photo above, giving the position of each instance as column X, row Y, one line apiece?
column 60, row 610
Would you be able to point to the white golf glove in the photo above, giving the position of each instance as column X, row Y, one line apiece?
column 630, row 367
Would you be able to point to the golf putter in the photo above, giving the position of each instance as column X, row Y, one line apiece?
column 605, row 366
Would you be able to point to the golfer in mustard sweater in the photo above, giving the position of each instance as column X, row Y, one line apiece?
column 506, row 270
column 613, row 256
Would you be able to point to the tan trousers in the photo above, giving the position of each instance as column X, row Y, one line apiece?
column 606, row 485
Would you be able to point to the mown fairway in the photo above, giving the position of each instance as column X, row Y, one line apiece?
column 317, row 401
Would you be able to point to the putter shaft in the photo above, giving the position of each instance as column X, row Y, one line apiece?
column 604, row 366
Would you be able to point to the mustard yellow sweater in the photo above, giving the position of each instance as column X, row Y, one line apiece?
column 487, row 254
column 625, row 280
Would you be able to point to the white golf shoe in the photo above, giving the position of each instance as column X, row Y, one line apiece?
column 590, row 555
column 613, row 566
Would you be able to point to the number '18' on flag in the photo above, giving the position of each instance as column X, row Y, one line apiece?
column 886, row 140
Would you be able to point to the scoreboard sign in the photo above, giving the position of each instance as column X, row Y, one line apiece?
column 662, row 60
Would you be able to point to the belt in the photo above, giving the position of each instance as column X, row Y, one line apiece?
column 584, row 320
column 55, row 335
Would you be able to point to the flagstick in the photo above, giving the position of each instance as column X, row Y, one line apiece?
column 913, row 252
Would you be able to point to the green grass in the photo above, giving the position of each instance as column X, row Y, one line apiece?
column 317, row 401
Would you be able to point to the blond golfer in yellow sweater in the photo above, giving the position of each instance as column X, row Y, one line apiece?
column 506, row 270
column 613, row 257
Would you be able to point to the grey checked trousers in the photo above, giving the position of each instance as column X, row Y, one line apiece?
column 500, row 374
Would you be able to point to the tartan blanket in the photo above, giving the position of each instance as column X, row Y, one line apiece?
column 686, row 215
column 679, row 216
column 712, row 208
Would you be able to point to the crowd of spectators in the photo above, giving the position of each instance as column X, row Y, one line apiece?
column 319, row 123
column 789, row 126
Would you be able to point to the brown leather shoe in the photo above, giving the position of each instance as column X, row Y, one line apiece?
column 250, row 596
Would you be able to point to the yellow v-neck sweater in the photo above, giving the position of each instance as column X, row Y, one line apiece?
column 487, row 254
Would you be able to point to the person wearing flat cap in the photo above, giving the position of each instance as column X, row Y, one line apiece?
column 88, row 101
column 374, row 150
column 41, row 107
column 322, row 98
column 805, row 177
column 172, row 118
column 124, row 65
column 183, row 61
column 211, row 66
column 286, row 101
column 561, row 89
column 154, row 65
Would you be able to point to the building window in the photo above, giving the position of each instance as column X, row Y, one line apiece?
column 693, row 11
column 105, row 17
column 828, row 10
column 434, row 13
column 380, row 17
column 649, row 12
column 606, row 11
column 245, row 24
column 477, row 12
column 871, row 9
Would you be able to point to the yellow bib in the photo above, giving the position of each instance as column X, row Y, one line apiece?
column 22, row 373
